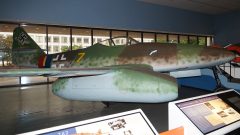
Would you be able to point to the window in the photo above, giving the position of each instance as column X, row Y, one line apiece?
column 162, row 38
column 82, row 38
column 49, row 39
column 209, row 41
column 55, row 39
column 183, row 39
column 55, row 49
column 60, row 36
column 193, row 40
column 149, row 37
column 79, row 40
column 100, row 35
column 64, row 40
column 202, row 41
column 136, row 36
column 122, row 41
column 86, row 40
column 173, row 38
column 39, row 39
column 6, row 32
column 117, row 41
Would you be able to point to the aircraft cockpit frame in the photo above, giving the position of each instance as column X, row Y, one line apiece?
column 120, row 40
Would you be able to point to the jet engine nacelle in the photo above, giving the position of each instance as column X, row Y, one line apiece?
column 119, row 85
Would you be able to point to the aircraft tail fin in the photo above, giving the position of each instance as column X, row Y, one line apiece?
column 25, row 51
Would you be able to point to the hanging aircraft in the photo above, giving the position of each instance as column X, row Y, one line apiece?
column 106, row 71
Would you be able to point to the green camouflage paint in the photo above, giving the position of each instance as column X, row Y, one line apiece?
column 28, row 72
column 188, row 53
column 143, row 82
column 162, row 57
column 59, row 84
column 95, row 57
column 25, row 50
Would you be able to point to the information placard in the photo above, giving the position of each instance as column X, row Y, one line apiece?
column 132, row 122
column 208, row 114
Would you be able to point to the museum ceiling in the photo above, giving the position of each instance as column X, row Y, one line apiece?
column 204, row 6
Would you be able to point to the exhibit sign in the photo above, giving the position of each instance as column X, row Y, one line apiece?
column 132, row 122
column 209, row 114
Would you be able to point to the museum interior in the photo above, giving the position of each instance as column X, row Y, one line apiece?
column 120, row 67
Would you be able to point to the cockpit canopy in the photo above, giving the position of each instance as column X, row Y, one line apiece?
column 122, row 40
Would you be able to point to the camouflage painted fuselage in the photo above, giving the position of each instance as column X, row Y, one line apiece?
column 160, row 56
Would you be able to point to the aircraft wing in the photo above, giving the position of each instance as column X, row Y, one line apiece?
column 49, row 72
column 67, row 72
column 122, row 83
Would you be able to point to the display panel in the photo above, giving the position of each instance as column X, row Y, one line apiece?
column 126, row 123
column 212, row 112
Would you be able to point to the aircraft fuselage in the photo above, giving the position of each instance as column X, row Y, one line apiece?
column 161, row 57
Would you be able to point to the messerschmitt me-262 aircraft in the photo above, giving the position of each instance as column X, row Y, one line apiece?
column 135, row 72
